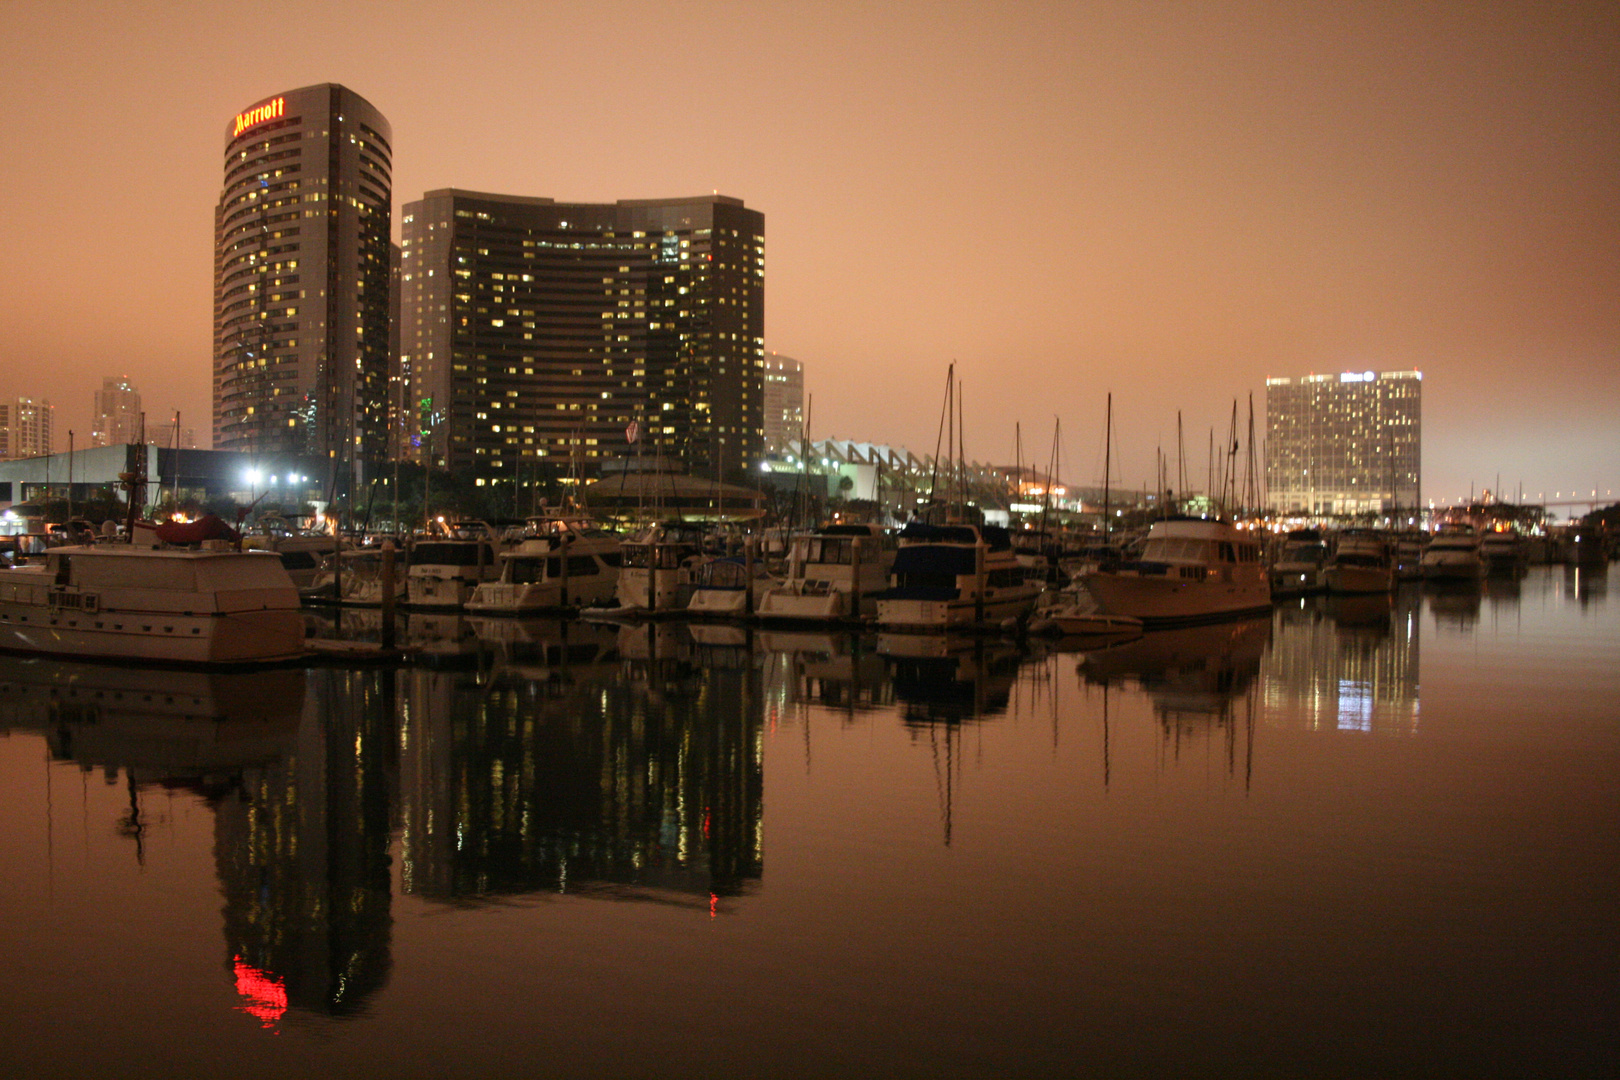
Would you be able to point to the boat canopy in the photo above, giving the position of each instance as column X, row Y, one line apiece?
column 207, row 527
column 945, row 561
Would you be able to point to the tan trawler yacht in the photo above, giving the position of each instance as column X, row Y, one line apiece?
column 1190, row 570
column 175, row 593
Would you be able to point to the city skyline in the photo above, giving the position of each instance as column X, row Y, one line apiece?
column 1165, row 204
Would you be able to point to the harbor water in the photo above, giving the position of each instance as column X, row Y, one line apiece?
column 1358, row 837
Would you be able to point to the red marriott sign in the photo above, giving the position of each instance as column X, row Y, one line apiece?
column 270, row 110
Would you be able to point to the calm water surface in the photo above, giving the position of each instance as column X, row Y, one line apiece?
column 1356, row 838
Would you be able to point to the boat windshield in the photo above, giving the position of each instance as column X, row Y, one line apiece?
column 837, row 550
column 1180, row 549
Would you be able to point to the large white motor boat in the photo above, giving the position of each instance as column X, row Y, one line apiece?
column 1191, row 569
column 955, row 575
column 1454, row 555
column 571, row 564
column 833, row 573
column 179, row 605
column 1361, row 563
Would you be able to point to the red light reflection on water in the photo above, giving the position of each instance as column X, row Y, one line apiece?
column 265, row 994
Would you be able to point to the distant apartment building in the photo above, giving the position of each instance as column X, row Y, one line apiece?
column 784, row 402
column 538, row 332
column 117, row 416
column 1349, row 443
column 301, row 270
column 25, row 428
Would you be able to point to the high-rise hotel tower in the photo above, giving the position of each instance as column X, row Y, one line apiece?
column 534, row 332
column 1350, row 443
column 301, row 276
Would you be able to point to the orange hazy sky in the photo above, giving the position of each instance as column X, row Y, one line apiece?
column 1166, row 201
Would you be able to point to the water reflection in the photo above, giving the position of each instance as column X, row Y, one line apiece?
column 575, row 758
column 945, row 678
column 295, row 768
column 1194, row 677
column 303, row 854
column 1347, row 663
column 532, row 769
column 1454, row 604
column 1587, row 582
column 834, row 669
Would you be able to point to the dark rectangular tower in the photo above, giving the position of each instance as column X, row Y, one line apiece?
column 535, row 332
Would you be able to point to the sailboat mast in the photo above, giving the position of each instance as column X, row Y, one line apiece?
column 1108, row 460
column 933, row 475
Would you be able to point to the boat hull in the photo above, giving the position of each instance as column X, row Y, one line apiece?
column 958, row 611
column 1460, row 569
column 249, row 637
column 1296, row 581
column 788, row 603
column 143, row 606
column 659, row 589
column 503, row 598
column 1167, row 599
column 1359, row 579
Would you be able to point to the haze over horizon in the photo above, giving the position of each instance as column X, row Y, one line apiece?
column 1166, row 202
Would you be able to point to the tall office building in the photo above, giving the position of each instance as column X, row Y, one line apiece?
column 784, row 402
column 533, row 331
column 117, row 414
column 25, row 428
column 1345, row 444
column 301, row 272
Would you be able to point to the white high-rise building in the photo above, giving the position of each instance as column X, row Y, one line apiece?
column 1350, row 443
column 784, row 402
column 117, row 414
column 25, row 427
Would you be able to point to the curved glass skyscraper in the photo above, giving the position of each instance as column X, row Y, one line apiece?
column 301, row 281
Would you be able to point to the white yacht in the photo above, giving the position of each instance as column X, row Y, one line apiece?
column 955, row 576
column 444, row 570
column 1191, row 569
column 722, row 585
column 571, row 564
column 833, row 573
column 1360, row 563
column 212, row 604
column 1299, row 565
column 658, row 567
column 1454, row 555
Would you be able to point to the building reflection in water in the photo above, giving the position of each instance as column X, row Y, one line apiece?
column 1347, row 663
column 576, row 757
column 294, row 767
column 303, row 853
